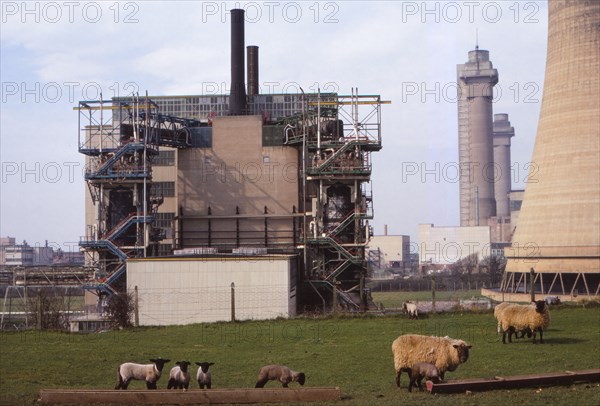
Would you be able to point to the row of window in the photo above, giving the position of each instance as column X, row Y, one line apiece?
column 164, row 189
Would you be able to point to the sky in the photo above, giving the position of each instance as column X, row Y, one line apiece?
column 54, row 54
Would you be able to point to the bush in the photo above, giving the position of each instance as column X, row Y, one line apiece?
column 119, row 310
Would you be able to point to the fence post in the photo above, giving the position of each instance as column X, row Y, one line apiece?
column 433, row 292
column 136, row 307
column 232, row 301
column 532, row 284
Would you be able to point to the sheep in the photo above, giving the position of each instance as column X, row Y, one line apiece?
column 179, row 376
column 144, row 372
column 534, row 317
column 552, row 300
column 411, row 309
column 422, row 370
column 444, row 352
column 204, row 377
column 278, row 372
column 498, row 314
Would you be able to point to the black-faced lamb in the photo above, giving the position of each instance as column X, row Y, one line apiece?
column 444, row 352
column 535, row 317
column 411, row 309
column 179, row 376
column 422, row 370
column 280, row 373
column 143, row 372
column 203, row 376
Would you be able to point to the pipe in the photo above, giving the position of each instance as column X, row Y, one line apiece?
column 237, row 99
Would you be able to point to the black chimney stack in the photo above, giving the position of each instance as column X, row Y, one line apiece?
column 237, row 99
column 252, row 57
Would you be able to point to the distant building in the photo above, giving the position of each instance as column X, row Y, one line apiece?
column 447, row 245
column 389, row 252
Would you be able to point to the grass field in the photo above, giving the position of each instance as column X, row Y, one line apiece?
column 352, row 353
column 395, row 299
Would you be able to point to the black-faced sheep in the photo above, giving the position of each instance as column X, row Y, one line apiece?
column 534, row 317
column 411, row 309
column 444, row 352
column 278, row 372
column 203, row 376
column 499, row 309
column 422, row 370
column 143, row 372
column 179, row 376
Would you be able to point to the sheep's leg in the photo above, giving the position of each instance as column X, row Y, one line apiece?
column 511, row 331
column 261, row 383
column 504, row 337
column 419, row 383
column 411, row 383
column 171, row 383
column 541, row 336
column 151, row 385
column 398, row 377
column 208, row 385
column 186, row 386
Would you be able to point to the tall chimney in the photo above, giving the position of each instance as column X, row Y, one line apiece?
column 237, row 99
column 558, row 231
column 252, row 56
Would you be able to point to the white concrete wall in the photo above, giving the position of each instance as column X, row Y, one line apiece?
column 174, row 291
column 446, row 245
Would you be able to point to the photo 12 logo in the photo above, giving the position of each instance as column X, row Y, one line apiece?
column 54, row 12
column 470, row 11
column 274, row 11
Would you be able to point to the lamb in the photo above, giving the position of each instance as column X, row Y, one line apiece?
column 422, row 370
column 534, row 317
column 444, row 352
column 411, row 309
column 204, row 377
column 144, row 372
column 278, row 372
column 179, row 376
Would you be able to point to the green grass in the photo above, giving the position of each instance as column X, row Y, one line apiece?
column 352, row 353
column 395, row 299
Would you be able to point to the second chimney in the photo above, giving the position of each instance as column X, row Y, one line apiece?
column 252, row 73
column 237, row 99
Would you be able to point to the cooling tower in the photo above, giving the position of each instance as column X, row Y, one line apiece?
column 503, row 132
column 476, row 79
column 558, row 233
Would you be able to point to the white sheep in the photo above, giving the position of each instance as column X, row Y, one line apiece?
column 499, row 309
column 203, row 376
column 534, row 318
column 444, row 352
column 179, row 376
column 143, row 372
column 422, row 370
column 280, row 373
column 411, row 309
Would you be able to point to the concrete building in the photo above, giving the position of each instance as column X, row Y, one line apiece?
column 233, row 176
column 204, row 289
column 447, row 245
column 476, row 79
column 558, row 233
column 389, row 252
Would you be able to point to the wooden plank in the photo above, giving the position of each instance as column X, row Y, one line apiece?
column 192, row 396
column 518, row 381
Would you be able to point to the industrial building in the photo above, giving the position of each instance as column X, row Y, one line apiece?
column 558, row 233
column 276, row 183
column 389, row 253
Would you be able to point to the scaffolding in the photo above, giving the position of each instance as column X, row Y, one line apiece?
column 336, row 134
column 119, row 138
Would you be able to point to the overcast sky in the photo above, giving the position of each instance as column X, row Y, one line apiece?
column 54, row 54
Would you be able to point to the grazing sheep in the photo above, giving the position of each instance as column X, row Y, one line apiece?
column 552, row 300
column 422, row 370
column 444, row 352
column 278, row 372
column 499, row 309
column 143, row 372
column 522, row 317
column 179, row 376
column 411, row 309
column 204, row 377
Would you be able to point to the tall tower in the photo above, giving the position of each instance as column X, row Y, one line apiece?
column 476, row 79
column 558, row 234
column 503, row 132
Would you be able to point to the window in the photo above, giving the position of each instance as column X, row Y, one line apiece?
column 165, row 158
column 164, row 189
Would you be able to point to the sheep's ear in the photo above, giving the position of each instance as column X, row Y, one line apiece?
column 166, row 360
column 178, row 363
column 469, row 346
column 211, row 363
column 198, row 363
column 455, row 345
column 152, row 360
